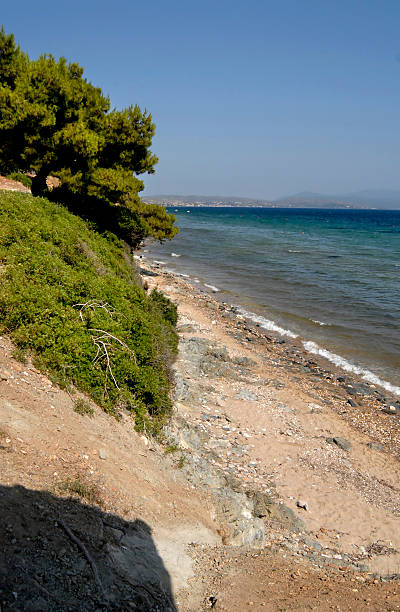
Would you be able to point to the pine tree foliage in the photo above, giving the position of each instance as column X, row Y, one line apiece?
column 54, row 122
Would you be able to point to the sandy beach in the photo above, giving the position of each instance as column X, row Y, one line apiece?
column 276, row 484
column 327, row 444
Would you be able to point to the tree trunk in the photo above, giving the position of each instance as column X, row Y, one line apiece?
column 39, row 185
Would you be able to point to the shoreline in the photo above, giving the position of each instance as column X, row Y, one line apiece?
column 316, row 345
column 326, row 444
column 329, row 362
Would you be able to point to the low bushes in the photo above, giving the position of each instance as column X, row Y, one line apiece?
column 70, row 297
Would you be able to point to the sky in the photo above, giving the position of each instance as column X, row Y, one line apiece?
column 257, row 99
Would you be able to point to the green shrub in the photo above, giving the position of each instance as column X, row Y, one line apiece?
column 21, row 177
column 20, row 355
column 83, row 408
column 168, row 308
column 171, row 448
column 69, row 297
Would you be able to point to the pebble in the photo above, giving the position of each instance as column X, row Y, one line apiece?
column 102, row 454
column 340, row 442
column 375, row 446
column 390, row 410
column 302, row 504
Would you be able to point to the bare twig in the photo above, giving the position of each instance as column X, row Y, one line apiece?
column 93, row 305
column 103, row 352
column 114, row 338
column 87, row 555
column 103, row 342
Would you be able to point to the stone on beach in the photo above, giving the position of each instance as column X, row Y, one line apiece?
column 340, row 442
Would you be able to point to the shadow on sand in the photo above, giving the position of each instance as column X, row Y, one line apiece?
column 60, row 554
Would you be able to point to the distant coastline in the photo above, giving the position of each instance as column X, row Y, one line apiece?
column 363, row 200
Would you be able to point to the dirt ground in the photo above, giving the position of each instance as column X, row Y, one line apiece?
column 96, row 516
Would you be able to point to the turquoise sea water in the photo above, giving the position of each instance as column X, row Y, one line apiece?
column 330, row 277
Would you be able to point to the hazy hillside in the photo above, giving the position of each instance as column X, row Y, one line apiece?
column 374, row 198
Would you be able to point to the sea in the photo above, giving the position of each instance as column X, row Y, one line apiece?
column 330, row 278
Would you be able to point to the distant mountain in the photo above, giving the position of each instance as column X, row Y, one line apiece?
column 372, row 198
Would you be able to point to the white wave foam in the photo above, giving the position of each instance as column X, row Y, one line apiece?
column 161, row 263
column 175, row 255
column 267, row 324
column 214, row 289
column 181, row 274
column 312, row 347
column 319, row 322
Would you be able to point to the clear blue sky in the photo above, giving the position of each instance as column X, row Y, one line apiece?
column 257, row 98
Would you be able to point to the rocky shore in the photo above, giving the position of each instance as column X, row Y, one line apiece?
column 276, row 485
column 298, row 456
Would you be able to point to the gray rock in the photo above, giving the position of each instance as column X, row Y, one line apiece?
column 219, row 353
column 186, row 327
column 181, row 391
column 235, row 513
column 193, row 346
column 102, row 454
column 244, row 361
column 213, row 444
column 214, row 367
column 246, row 395
column 139, row 563
column 234, row 483
column 375, row 446
column 312, row 543
column 200, row 473
column 190, row 438
column 340, row 442
column 265, row 506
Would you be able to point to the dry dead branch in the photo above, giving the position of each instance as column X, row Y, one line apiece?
column 92, row 305
column 103, row 342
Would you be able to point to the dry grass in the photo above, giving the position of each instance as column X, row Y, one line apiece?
column 79, row 487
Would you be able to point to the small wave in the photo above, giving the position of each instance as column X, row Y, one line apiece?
column 160, row 263
column 312, row 347
column 196, row 280
column 267, row 324
column 175, row 255
column 214, row 289
column 319, row 322
column 295, row 251
column 181, row 274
